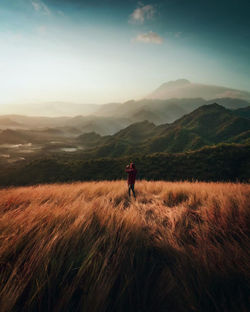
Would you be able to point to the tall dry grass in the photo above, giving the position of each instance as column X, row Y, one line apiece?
column 87, row 247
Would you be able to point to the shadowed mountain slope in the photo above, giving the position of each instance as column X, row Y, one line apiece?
column 111, row 118
column 207, row 125
column 243, row 112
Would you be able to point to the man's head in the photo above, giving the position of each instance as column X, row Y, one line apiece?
column 132, row 165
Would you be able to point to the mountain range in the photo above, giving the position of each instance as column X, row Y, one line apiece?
column 207, row 125
column 210, row 143
column 172, row 90
column 112, row 118
column 146, row 126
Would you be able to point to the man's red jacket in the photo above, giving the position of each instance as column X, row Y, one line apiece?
column 131, row 175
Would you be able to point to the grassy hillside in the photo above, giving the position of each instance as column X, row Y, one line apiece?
column 87, row 247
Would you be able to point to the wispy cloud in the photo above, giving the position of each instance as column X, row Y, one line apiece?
column 142, row 13
column 59, row 12
column 40, row 6
column 42, row 30
column 149, row 37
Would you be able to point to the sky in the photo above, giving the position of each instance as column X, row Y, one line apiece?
column 101, row 51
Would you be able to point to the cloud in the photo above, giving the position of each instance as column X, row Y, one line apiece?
column 59, row 12
column 142, row 13
column 39, row 6
column 149, row 37
column 42, row 30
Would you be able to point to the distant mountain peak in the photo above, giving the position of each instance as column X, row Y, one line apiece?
column 179, row 82
column 175, row 84
column 183, row 88
column 212, row 106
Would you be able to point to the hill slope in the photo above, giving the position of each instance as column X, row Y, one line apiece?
column 164, row 111
column 243, row 112
column 9, row 136
column 180, row 247
column 111, row 118
column 207, row 125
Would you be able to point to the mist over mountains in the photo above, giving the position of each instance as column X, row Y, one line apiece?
column 49, row 109
column 109, row 119
column 132, row 129
column 183, row 88
column 207, row 125
column 212, row 139
column 169, row 92
column 168, row 103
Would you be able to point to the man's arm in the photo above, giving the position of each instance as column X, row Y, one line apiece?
column 129, row 170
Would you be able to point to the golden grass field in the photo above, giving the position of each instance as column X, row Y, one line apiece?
column 87, row 247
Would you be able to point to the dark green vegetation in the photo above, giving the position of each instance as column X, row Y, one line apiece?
column 243, row 112
column 207, row 125
column 225, row 162
column 210, row 143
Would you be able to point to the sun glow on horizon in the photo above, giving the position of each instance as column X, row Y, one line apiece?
column 88, row 55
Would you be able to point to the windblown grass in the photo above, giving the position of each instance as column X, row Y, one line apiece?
column 87, row 247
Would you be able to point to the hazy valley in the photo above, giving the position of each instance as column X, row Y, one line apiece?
column 126, row 131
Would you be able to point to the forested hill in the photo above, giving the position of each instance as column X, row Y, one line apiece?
column 207, row 125
column 225, row 162
column 210, row 144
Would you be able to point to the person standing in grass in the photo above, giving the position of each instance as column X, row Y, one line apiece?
column 131, row 171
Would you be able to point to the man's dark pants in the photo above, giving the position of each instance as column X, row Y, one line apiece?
column 131, row 187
